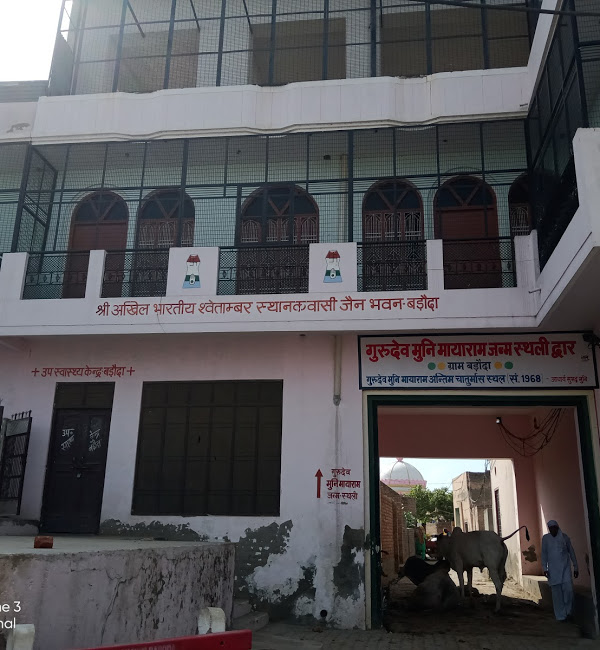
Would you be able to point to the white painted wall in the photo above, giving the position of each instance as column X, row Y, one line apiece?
column 579, row 245
column 16, row 121
column 462, row 309
column 316, row 435
column 305, row 106
column 502, row 474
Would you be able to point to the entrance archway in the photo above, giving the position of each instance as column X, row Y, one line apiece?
column 582, row 449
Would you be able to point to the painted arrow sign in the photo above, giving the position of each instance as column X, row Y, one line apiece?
column 319, row 476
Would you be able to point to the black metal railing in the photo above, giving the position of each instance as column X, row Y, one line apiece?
column 392, row 266
column 15, row 445
column 479, row 263
column 52, row 276
column 186, row 43
column 263, row 270
column 135, row 273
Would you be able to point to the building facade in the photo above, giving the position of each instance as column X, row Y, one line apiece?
column 472, row 501
column 219, row 222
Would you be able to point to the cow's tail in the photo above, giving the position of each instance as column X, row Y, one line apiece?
column 516, row 531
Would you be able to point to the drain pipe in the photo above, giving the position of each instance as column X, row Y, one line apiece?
column 337, row 370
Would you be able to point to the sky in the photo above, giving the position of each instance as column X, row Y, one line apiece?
column 438, row 472
column 27, row 35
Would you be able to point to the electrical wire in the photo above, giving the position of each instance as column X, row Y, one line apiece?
column 540, row 436
column 514, row 8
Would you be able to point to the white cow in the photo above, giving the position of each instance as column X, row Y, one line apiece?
column 477, row 549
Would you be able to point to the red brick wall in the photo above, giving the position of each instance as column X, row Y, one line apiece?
column 395, row 537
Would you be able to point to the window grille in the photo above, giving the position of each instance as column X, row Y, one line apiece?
column 209, row 448
column 565, row 100
column 142, row 47
column 321, row 187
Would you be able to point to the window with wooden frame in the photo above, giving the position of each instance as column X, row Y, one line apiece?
column 519, row 207
column 392, row 211
column 158, row 220
column 209, row 448
column 279, row 214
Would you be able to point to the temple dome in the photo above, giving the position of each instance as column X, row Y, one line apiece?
column 403, row 476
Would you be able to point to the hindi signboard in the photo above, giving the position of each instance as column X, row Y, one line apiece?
column 483, row 361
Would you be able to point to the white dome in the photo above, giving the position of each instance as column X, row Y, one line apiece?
column 403, row 475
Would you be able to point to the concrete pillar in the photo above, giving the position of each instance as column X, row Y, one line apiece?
column 586, row 147
column 346, row 260
column 208, row 269
column 12, row 275
column 435, row 265
column 93, row 287
column 526, row 260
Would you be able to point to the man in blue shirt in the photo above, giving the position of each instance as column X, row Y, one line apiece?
column 557, row 555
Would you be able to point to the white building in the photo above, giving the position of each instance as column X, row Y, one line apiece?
column 422, row 143
column 402, row 477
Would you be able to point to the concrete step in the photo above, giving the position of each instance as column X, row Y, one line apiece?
column 241, row 608
column 254, row 621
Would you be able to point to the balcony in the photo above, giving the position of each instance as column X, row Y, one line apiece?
column 185, row 44
column 135, row 273
column 287, row 270
column 263, row 270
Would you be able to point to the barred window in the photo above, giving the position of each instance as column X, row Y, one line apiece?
column 278, row 213
column 209, row 448
column 392, row 211
column 519, row 207
column 159, row 220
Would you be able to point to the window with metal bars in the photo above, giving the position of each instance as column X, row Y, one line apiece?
column 143, row 46
column 392, row 211
column 159, row 223
column 209, row 448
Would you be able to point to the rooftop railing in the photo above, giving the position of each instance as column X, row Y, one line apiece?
column 56, row 275
column 247, row 270
column 392, row 266
column 479, row 263
column 135, row 273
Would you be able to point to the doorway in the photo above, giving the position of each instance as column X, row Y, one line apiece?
column 421, row 411
column 77, row 459
column 99, row 223
column 466, row 219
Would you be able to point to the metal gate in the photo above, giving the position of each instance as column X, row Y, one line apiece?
column 14, row 444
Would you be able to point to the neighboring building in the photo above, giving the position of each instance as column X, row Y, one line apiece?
column 397, row 534
column 438, row 527
column 402, row 477
column 248, row 247
column 472, row 501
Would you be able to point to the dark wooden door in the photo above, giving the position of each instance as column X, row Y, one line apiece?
column 75, row 472
column 99, row 223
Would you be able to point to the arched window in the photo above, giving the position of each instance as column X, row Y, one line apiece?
column 279, row 214
column 99, row 222
column 465, row 210
column 519, row 206
column 392, row 211
column 158, row 220
column 274, row 222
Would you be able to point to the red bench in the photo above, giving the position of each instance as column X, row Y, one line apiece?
column 241, row 640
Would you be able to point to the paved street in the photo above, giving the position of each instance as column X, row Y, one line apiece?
column 288, row 637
